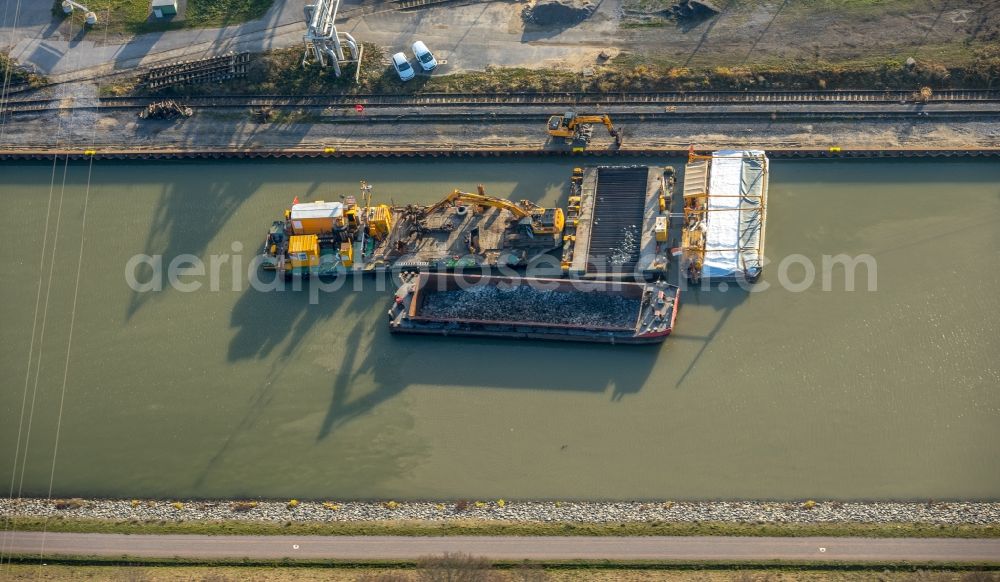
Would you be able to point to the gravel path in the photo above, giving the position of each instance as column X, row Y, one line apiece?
column 938, row 513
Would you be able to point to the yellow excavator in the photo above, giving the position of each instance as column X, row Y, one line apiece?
column 580, row 128
column 535, row 219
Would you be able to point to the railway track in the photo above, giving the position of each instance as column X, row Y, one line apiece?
column 319, row 151
column 561, row 100
column 414, row 4
column 217, row 68
column 627, row 119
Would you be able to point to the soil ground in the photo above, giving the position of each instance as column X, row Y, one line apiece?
column 793, row 31
column 24, row 572
column 322, row 129
column 471, row 35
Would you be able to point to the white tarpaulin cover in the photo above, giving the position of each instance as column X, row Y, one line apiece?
column 735, row 219
column 307, row 210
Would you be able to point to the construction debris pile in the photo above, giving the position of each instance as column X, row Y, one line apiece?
column 169, row 109
column 558, row 12
column 493, row 303
column 692, row 12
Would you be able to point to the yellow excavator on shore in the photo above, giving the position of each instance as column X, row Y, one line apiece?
column 580, row 128
column 535, row 219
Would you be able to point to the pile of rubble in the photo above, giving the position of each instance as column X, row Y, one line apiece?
column 691, row 12
column 558, row 12
column 526, row 303
column 169, row 109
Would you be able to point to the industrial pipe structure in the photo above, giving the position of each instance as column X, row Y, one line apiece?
column 324, row 44
column 89, row 16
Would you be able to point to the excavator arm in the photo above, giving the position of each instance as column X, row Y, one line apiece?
column 542, row 220
column 602, row 119
column 480, row 199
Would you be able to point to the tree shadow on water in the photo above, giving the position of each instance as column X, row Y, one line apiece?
column 272, row 324
column 724, row 301
column 388, row 364
column 395, row 363
column 187, row 218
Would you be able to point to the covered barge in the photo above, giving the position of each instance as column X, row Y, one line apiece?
column 725, row 214
column 534, row 308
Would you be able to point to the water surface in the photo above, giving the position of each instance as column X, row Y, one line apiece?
column 890, row 394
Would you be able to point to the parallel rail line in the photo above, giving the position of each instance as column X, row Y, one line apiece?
column 569, row 100
column 211, row 69
column 317, row 151
column 623, row 118
column 414, row 4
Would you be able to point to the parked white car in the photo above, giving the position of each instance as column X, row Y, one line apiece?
column 403, row 67
column 424, row 56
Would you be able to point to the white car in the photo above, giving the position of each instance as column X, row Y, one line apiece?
column 403, row 67
column 424, row 56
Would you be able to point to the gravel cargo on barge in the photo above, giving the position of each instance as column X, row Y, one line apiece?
column 534, row 308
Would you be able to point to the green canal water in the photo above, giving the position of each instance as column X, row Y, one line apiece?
column 892, row 393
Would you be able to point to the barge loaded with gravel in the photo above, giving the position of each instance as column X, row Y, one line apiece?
column 534, row 308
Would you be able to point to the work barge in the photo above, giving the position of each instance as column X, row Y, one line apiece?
column 615, row 226
column 534, row 308
column 477, row 265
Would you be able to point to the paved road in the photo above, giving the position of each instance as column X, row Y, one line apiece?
column 508, row 548
column 464, row 37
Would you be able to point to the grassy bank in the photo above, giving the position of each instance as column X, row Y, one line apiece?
column 15, row 75
column 280, row 72
column 134, row 16
column 472, row 569
column 483, row 527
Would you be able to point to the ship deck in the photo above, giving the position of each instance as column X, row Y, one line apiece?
column 615, row 234
column 453, row 237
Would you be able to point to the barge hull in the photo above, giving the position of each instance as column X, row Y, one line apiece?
column 532, row 334
column 534, row 308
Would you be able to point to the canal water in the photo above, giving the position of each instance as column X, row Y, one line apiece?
column 796, row 391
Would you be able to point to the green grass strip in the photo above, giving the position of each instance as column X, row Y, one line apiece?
column 566, row 565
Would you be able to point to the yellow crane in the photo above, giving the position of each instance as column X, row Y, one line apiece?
column 575, row 127
column 538, row 220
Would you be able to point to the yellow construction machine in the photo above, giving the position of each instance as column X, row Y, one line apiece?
column 535, row 219
column 580, row 128
column 317, row 238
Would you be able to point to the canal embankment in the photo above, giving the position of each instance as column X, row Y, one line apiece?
column 916, row 519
